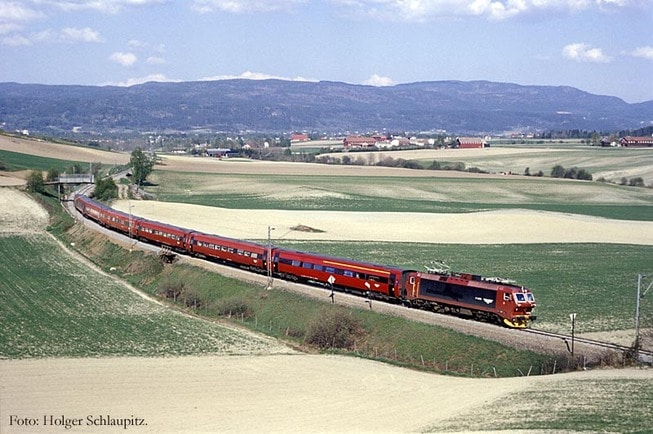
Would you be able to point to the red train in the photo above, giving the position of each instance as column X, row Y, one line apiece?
column 491, row 300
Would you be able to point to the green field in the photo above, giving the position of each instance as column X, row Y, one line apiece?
column 15, row 161
column 403, row 194
column 596, row 281
column 57, row 306
column 53, row 305
column 598, row 406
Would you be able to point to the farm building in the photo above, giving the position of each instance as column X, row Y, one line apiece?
column 470, row 142
column 298, row 137
column 358, row 142
column 630, row 141
column 217, row 152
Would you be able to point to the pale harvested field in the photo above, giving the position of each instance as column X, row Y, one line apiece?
column 213, row 165
column 62, row 152
column 13, row 179
column 19, row 213
column 40, row 148
column 290, row 393
column 493, row 227
column 609, row 163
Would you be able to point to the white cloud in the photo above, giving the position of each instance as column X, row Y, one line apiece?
column 15, row 40
column 424, row 10
column 13, row 17
column 245, row 6
column 377, row 80
column 249, row 75
column 68, row 34
column 7, row 28
column 13, row 11
column 644, row 52
column 156, row 60
column 136, row 44
column 105, row 6
column 80, row 35
column 582, row 52
column 124, row 59
column 140, row 80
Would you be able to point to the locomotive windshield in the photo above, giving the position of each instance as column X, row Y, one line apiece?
column 522, row 297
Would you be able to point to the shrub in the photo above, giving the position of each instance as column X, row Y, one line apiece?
column 237, row 307
column 435, row 165
column 573, row 173
column 171, row 288
column 35, row 183
column 584, row 175
column 557, row 171
column 105, row 189
column 53, row 175
column 192, row 298
column 636, row 182
column 333, row 329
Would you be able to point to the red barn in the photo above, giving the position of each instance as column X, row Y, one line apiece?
column 642, row 142
column 358, row 142
column 297, row 137
column 470, row 143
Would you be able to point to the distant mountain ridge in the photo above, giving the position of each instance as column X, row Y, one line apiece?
column 282, row 106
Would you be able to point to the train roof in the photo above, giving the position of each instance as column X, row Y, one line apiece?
column 340, row 259
column 234, row 240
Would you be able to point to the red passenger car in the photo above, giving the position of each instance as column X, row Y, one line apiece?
column 487, row 299
column 243, row 253
column 163, row 234
column 342, row 273
column 122, row 222
column 90, row 208
column 106, row 216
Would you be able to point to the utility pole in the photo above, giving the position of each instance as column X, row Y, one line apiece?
column 129, row 201
column 640, row 295
column 572, row 316
column 269, row 259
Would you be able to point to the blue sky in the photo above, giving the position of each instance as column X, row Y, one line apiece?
column 600, row 46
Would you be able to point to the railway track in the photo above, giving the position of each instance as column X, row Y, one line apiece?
column 643, row 355
column 538, row 339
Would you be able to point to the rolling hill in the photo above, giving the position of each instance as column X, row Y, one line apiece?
column 282, row 106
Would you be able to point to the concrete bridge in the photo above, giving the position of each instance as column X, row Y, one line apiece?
column 82, row 178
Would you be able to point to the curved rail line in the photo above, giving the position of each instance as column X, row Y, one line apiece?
column 643, row 355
